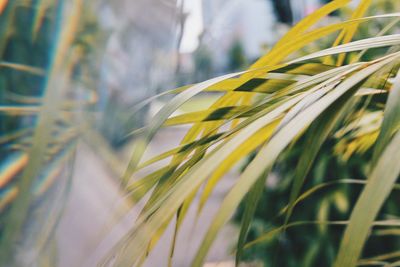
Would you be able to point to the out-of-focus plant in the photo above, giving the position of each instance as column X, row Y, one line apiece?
column 203, row 63
column 283, row 10
column 236, row 57
column 286, row 102
column 43, row 49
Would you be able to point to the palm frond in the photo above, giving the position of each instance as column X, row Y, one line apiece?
column 281, row 102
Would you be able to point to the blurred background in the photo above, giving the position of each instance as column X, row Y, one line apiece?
column 120, row 54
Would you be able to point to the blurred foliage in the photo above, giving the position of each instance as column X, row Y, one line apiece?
column 203, row 64
column 117, row 121
column 47, row 76
column 236, row 57
column 283, row 10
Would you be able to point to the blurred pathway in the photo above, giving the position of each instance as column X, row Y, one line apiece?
column 94, row 194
